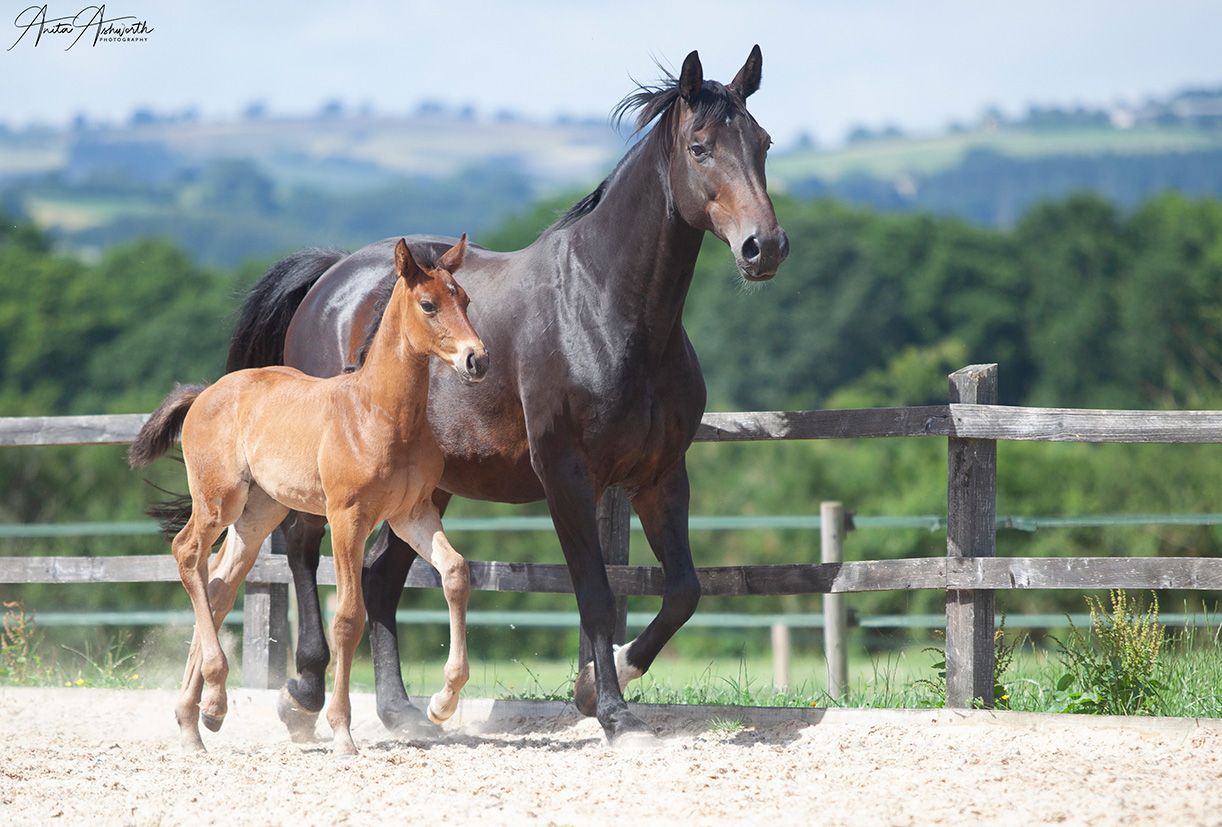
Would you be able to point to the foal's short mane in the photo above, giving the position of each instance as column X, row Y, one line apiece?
column 381, row 298
column 657, row 101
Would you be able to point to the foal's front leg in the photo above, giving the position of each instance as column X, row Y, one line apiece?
column 423, row 530
column 348, row 532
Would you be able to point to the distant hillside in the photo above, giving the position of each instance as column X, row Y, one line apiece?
column 993, row 171
column 258, row 186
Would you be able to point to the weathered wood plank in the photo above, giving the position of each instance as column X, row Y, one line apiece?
column 113, row 429
column 1081, row 573
column 965, row 420
column 133, row 569
column 970, row 533
column 1078, row 573
column 1074, row 425
column 932, row 420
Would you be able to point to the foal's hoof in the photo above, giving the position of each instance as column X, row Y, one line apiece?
column 300, row 721
column 585, row 693
column 212, row 722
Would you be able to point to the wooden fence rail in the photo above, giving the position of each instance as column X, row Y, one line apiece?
column 969, row 574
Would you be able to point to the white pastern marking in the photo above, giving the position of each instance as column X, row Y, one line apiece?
column 623, row 670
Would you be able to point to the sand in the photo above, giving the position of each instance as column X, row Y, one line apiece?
column 111, row 757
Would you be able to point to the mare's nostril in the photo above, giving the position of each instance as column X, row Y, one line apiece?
column 751, row 249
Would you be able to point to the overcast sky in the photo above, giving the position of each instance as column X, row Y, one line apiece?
column 828, row 66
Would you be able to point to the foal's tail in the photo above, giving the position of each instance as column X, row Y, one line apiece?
column 156, row 438
column 163, row 426
column 258, row 338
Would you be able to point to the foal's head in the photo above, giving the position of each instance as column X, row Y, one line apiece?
column 436, row 311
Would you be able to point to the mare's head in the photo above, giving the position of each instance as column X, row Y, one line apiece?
column 716, row 151
column 436, row 311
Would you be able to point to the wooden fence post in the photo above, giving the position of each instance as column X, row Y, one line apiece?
column 614, row 530
column 265, row 627
column 971, row 528
column 835, row 614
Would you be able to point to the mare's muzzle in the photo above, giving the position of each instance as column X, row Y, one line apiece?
column 761, row 254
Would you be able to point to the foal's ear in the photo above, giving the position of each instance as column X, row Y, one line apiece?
column 405, row 266
column 747, row 81
column 691, row 79
column 452, row 258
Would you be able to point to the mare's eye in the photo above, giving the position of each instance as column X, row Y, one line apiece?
column 428, row 307
column 699, row 151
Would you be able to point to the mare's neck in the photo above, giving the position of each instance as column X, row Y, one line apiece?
column 633, row 247
column 395, row 376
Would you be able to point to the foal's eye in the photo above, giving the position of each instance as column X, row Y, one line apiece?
column 699, row 151
column 428, row 307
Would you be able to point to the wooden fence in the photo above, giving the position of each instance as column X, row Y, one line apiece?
column 969, row 573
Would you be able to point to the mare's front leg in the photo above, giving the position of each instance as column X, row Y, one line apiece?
column 663, row 510
column 423, row 530
column 349, row 528
column 302, row 698
column 572, row 502
column 386, row 567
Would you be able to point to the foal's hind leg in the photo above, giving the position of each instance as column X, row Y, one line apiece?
column 423, row 530
column 191, row 548
column 229, row 570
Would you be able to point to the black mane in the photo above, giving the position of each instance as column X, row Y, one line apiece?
column 652, row 102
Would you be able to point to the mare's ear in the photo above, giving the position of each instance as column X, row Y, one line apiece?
column 452, row 258
column 405, row 266
column 691, row 79
column 747, row 81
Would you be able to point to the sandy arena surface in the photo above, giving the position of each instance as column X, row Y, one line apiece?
column 111, row 757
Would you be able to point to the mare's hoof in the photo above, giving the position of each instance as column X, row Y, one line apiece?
column 638, row 741
column 212, row 722
column 630, row 732
column 585, row 693
column 405, row 718
column 299, row 720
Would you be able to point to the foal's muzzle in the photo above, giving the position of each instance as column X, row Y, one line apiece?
column 472, row 366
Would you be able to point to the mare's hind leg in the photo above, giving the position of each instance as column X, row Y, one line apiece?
column 663, row 511
column 423, row 530
column 302, row 697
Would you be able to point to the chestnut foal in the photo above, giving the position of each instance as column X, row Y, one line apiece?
column 356, row 448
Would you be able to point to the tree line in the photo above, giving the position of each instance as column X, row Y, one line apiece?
column 1082, row 304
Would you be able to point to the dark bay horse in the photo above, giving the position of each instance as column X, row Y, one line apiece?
column 595, row 383
column 355, row 449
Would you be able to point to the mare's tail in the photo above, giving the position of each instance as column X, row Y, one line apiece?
column 156, row 438
column 258, row 338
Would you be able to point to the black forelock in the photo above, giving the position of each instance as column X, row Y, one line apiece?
column 715, row 102
column 649, row 102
